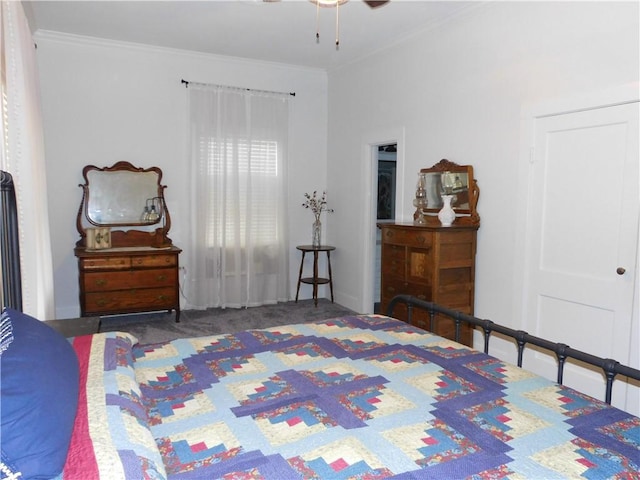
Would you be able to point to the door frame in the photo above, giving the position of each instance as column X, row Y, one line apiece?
column 370, row 143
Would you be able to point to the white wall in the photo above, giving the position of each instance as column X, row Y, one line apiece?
column 458, row 92
column 104, row 102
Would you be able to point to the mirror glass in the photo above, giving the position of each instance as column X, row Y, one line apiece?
column 447, row 183
column 123, row 197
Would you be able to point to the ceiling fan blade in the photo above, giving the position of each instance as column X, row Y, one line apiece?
column 376, row 3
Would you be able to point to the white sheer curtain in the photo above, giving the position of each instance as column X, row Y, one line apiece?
column 22, row 155
column 238, row 255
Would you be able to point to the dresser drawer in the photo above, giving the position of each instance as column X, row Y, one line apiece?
column 419, row 318
column 456, row 276
column 160, row 260
column 108, row 281
column 392, row 286
column 458, row 297
column 131, row 300
column 394, row 252
column 415, row 237
column 459, row 236
column 420, row 290
column 105, row 263
column 446, row 327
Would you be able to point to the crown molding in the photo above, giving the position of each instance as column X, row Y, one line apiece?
column 84, row 40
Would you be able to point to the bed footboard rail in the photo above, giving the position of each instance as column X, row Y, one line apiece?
column 610, row 368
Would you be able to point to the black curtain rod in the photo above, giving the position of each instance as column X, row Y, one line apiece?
column 293, row 94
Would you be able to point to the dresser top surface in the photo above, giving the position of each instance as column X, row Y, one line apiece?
column 431, row 227
column 87, row 252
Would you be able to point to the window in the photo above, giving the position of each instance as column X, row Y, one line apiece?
column 258, row 158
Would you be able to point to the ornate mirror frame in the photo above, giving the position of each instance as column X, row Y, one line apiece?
column 457, row 180
column 123, row 196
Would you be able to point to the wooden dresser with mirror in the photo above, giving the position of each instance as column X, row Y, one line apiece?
column 126, row 261
column 431, row 261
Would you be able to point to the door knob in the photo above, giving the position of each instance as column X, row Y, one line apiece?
column 620, row 271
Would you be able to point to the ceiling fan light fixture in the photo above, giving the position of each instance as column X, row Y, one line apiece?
column 328, row 3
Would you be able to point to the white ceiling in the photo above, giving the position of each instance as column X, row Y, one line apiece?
column 282, row 31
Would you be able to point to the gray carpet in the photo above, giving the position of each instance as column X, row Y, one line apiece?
column 161, row 327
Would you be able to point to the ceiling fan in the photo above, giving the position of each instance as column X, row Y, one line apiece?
column 335, row 4
column 375, row 3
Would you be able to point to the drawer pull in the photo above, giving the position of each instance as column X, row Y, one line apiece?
column 161, row 278
column 101, row 282
column 163, row 298
column 101, row 302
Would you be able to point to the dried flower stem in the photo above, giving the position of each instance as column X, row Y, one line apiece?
column 316, row 204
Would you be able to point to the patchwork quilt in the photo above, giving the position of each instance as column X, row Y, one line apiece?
column 362, row 397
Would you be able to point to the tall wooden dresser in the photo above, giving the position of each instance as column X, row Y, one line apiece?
column 433, row 263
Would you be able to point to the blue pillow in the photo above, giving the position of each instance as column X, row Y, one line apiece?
column 38, row 396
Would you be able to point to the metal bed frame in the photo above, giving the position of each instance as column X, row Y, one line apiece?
column 610, row 367
column 10, row 280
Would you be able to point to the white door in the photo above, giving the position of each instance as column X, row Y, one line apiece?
column 582, row 238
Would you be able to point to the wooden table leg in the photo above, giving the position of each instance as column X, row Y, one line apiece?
column 330, row 277
column 315, row 278
column 300, row 275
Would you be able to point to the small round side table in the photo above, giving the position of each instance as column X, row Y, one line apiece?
column 315, row 280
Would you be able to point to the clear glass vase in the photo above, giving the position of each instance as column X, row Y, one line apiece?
column 316, row 233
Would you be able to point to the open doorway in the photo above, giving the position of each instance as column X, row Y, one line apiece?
column 385, row 205
column 378, row 146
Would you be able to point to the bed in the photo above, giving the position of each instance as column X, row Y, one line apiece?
column 363, row 396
